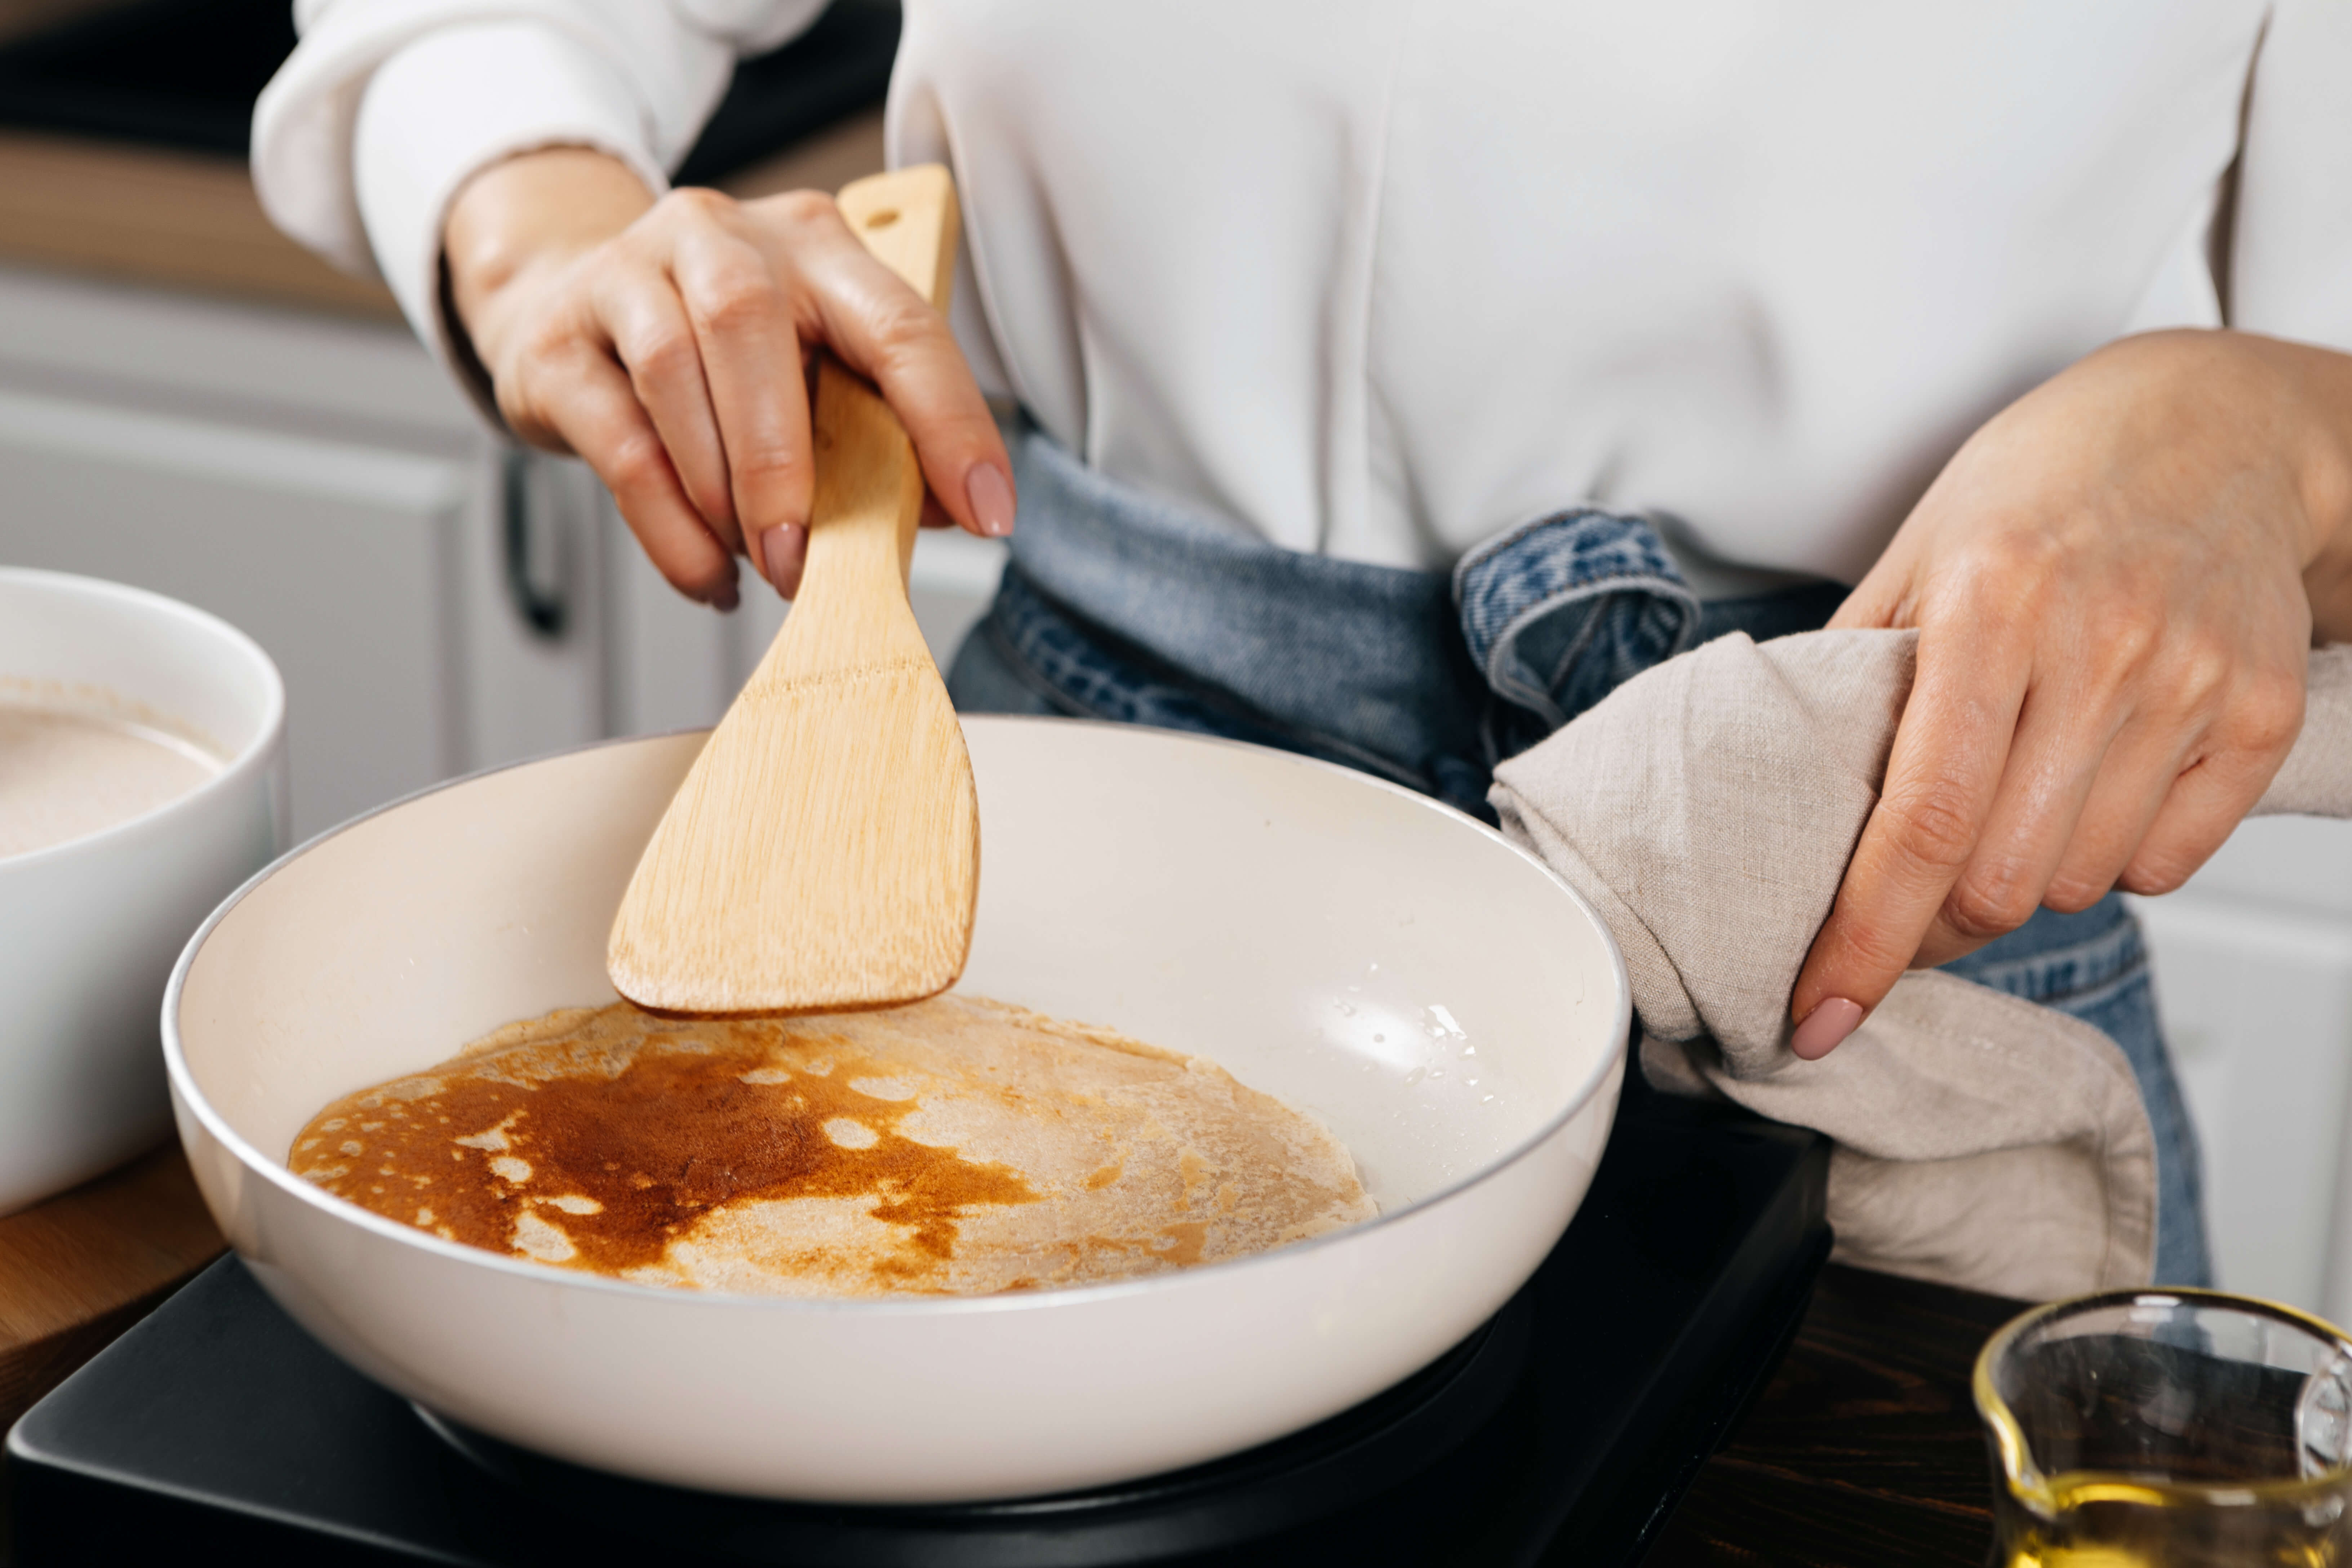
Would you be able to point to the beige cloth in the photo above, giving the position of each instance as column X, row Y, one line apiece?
column 1707, row 809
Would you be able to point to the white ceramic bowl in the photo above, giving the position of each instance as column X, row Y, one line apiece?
column 88, row 927
column 1448, row 1006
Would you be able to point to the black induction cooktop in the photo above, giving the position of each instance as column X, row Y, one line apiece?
column 1561, row 1432
column 185, row 73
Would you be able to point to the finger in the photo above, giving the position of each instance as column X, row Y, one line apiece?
column 639, row 312
column 2203, row 807
column 1948, row 755
column 2142, row 769
column 2064, row 867
column 1877, row 600
column 2212, row 796
column 881, row 328
column 2058, row 762
column 751, row 357
column 591, row 403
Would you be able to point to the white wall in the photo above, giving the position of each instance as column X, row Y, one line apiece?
column 2254, row 976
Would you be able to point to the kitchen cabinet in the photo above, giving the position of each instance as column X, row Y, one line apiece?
column 437, row 602
column 310, row 481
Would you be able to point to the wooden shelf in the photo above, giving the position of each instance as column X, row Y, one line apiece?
column 189, row 221
column 179, row 219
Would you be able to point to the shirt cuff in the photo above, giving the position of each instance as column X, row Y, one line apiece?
column 450, row 105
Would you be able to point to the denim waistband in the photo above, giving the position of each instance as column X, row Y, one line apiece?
column 1135, row 608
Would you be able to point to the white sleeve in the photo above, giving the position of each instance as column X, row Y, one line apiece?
column 387, row 106
column 2291, row 249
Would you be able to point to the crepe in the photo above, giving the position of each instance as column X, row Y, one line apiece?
column 957, row 1146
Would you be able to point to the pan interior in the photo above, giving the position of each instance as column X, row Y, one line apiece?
column 1430, row 993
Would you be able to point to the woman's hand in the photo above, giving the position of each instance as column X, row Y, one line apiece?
column 2114, row 583
column 671, row 343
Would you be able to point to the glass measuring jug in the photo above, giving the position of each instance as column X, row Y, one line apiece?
column 2168, row 1429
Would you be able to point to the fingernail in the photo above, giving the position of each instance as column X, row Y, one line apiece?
column 780, row 552
column 725, row 599
column 990, row 495
column 1825, row 1029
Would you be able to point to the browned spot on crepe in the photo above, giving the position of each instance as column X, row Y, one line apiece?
column 954, row 1145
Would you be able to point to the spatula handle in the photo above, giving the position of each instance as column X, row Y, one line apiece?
column 870, row 484
column 908, row 219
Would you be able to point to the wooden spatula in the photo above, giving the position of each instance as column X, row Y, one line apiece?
column 824, row 850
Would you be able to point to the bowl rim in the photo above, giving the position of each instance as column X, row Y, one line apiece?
column 1609, row 1060
column 234, row 769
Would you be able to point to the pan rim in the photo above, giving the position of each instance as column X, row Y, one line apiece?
column 184, row 1091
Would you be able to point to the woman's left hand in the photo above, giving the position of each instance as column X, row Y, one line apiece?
column 2115, row 583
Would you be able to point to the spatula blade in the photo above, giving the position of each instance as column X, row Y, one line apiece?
column 835, row 889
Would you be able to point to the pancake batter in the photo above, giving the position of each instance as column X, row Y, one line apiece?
column 65, row 774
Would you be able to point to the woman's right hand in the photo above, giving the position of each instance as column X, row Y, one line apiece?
column 672, row 343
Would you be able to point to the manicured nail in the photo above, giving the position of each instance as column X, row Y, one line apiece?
column 724, row 599
column 1825, row 1029
column 990, row 494
column 781, row 551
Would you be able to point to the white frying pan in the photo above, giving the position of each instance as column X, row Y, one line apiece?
column 1446, row 1006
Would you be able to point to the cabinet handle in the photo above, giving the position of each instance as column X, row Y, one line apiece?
column 544, row 610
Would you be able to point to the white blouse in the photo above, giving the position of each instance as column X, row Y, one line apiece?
column 1383, row 278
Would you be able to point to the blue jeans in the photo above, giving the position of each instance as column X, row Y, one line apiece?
column 1124, row 607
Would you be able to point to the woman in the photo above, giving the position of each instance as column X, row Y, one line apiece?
column 1346, row 339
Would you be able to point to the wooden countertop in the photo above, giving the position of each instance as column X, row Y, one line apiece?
column 76, row 1270
column 189, row 221
column 80, row 1269
column 1864, row 1447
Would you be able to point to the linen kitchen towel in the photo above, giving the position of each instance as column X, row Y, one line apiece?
column 1707, row 808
